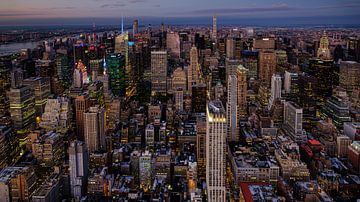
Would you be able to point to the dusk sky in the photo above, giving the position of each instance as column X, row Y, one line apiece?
column 41, row 9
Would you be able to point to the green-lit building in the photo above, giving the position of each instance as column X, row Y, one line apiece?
column 64, row 70
column 115, row 68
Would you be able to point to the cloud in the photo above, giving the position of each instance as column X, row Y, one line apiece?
column 63, row 8
column 115, row 5
column 273, row 8
column 137, row 1
column 8, row 13
column 345, row 5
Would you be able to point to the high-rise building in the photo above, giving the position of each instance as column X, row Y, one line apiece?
column 214, row 28
column 114, row 113
column 9, row 146
column 290, row 82
column 264, row 44
column 94, row 129
column 115, row 64
column 293, row 117
column 78, row 166
column 216, row 152
column 150, row 135
column 267, row 66
column 342, row 144
column 83, row 70
column 57, row 114
column 22, row 108
column 94, row 65
column 17, row 78
column 323, row 52
column 201, row 145
column 77, row 79
column 122, row 45
column 199, row 98
column 353, row 48
column 82, row 104
column 231, row 67
column 352, row 130
column 63, row 67
column 307, row 99
column 173, row 44
column 349, row 77
column 230, row 48
column 145, row 170
column 231, row 108
column 194, row 70
column 158, row 71
column 41, row 88
column 250, row 60
column 241, row 75
column 179, row 99
column 17, row 183
column 275, row 89
column 354, row 155
column 337, row 108
column 327, row 77
column 178, row 79
column 49, row 149
column 136, row 27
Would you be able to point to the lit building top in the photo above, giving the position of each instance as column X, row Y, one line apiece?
column 356, row 146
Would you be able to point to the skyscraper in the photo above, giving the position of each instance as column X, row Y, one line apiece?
column 63, row 67
column 201, row 145
column 158, row 71
column 179, row 99
column 267, row 66
column 121, row 44
column 115, row 64
column 145, row 170
column 136, row 27
column 326, row 74
column 198, row 98
column 230, row 48
column 323, row 52
column 22, row 103
column 82, row 104
column 275, row 89
column 194, row 71
column 214, row 28
column 41, row 88
column 349, row 77
column 178, row 79
column 293, row 117
column 290, row 82
column 94, row 129
column 150, row 135
column 241, row 75
column 173, row 44
column 231, row 107
column 78, row 166
column 216, row 152
column 77, row 79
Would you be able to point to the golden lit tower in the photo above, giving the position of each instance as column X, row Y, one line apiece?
column 323, row 51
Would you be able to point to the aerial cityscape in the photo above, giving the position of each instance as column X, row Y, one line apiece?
column 154, row 100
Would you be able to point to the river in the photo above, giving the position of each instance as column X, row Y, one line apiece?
column 8, row 49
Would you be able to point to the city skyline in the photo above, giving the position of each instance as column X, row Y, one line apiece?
column 19, row 12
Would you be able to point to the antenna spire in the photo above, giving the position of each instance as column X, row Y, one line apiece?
column 122, row 24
